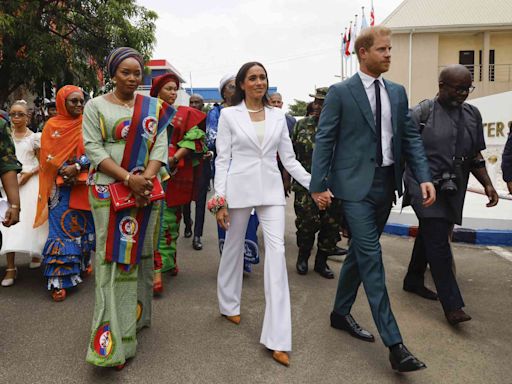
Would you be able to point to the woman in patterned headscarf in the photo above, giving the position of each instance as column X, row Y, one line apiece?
column 63, row 195
column 126, row 142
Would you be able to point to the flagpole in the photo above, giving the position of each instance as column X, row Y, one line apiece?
column 349, row 57
column 354, row 36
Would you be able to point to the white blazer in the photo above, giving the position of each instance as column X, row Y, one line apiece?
column 246, row 172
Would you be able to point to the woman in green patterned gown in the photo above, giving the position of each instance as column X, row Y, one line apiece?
column 123, row 289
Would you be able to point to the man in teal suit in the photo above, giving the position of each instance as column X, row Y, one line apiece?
column 364, row 137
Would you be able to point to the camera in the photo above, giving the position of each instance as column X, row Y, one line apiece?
column 446, row 183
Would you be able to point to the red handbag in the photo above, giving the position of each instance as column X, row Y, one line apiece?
column 119, row 195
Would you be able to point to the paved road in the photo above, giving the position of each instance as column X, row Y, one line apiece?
column 45, row 342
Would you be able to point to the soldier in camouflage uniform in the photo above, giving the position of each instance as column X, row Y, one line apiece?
column 310, row 219
column 9, row 168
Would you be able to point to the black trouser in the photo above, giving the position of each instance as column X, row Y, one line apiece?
column 432, row 246
column 202, row 191
column 185, row 211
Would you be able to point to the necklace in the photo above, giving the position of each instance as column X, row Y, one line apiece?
column 126, row 105
column 25, row 134
column 255, row 111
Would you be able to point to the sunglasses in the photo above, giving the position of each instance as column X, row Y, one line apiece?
column 461, row 90
column 17, row 114
column 76, row 101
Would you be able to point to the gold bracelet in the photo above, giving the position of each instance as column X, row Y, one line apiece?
column 127, row 178
column 15, row 206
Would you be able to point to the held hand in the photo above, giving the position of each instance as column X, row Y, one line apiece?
column 12, row 217
column 287, row 187
column 149, row 182
column 492, row 195
column 428, row 191
column 509, row 186
column 69, row 172
column 222, row 217
column 322, row 199
column 139, row 185
column 23, row 178
column 141, row 201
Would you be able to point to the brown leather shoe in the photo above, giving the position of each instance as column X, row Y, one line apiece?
column 457, row 316
column 281, row 357
column 234, row 319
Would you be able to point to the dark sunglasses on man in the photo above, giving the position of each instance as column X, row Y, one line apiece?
column 460, row 90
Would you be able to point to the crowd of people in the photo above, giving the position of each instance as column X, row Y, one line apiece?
column 115, row 176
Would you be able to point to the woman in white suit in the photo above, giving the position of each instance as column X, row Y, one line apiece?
column 249, row 137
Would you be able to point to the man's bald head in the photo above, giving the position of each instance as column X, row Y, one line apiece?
column 455, row 84
column 454, row 72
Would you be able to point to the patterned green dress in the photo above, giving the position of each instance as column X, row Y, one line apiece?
column 123, row 292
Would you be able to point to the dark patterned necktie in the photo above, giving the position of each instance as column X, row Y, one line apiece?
column 378, row 122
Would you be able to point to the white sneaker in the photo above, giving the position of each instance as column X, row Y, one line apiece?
column 9, row 282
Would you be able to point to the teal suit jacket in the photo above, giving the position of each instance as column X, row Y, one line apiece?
column 346, row 141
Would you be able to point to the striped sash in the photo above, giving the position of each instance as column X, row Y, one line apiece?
column 127, row 228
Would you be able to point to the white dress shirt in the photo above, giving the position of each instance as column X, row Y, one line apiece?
column 386, row 125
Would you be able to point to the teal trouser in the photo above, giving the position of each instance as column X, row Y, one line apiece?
column 366, row 220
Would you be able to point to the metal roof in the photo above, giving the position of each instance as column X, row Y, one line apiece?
column 450, row 14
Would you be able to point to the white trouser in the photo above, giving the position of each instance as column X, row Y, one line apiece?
column 277, row 323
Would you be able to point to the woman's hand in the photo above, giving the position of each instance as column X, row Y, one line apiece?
column 69, row 174
column 223, row 218
column 12, row 216
column 140, row 185
column 141, row 201
column 24, row 177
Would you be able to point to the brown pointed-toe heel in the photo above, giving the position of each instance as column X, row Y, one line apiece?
column 234, row 319
column 281, row 357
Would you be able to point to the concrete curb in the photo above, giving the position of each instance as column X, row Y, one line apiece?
column 460, row 235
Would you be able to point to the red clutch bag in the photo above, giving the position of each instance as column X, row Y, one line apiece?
column 119, row 195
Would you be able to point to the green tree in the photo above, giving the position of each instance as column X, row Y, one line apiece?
column 66, row 42
column 298, row 108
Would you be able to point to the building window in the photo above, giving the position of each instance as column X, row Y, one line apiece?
column 491, row 65
column 492, row 75
column 467, row 58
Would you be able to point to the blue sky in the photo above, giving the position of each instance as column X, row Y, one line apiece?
column 298, row 41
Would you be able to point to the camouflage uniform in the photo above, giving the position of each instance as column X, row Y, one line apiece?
column 8, row 160
column 309, row 219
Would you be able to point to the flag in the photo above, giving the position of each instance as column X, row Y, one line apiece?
column 364, row 23
column 344, row 42
column 348, row 42
column 353, row 37
column 372, row 16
